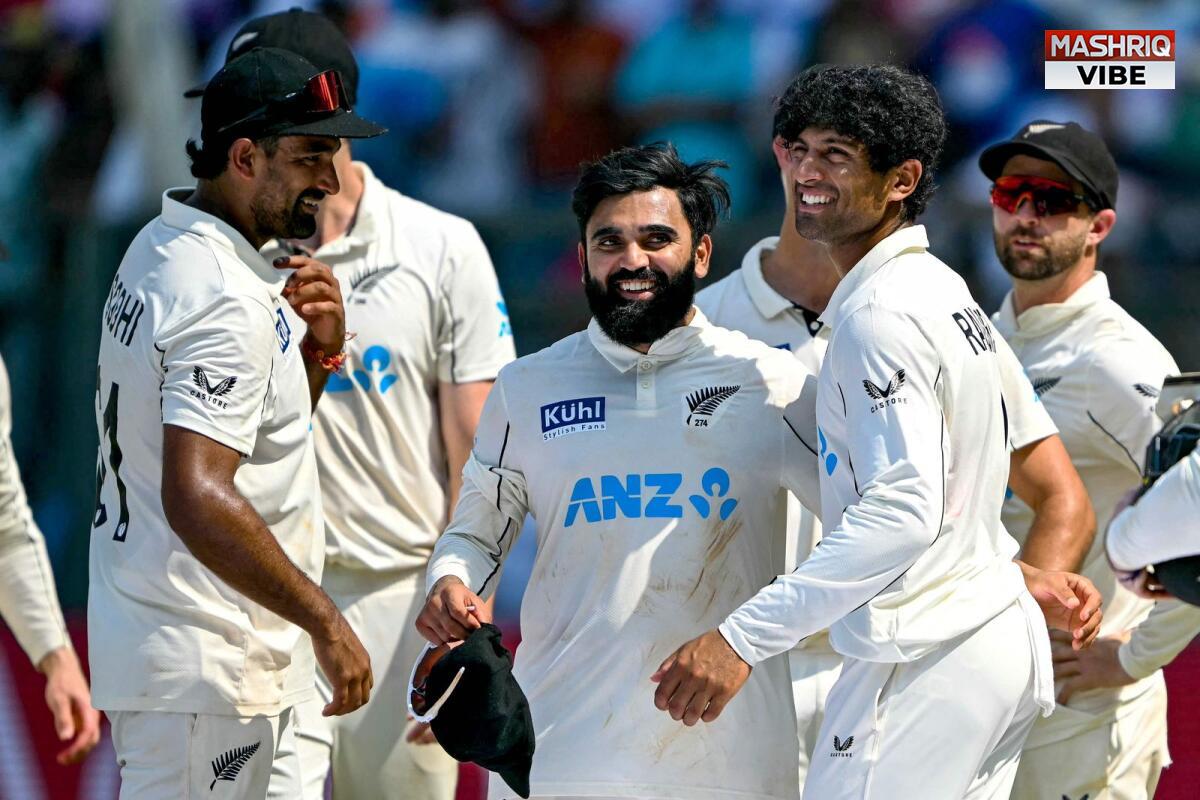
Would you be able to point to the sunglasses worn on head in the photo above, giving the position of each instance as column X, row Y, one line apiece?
column 1048, row 197
column 323, row 94
column 421, row 706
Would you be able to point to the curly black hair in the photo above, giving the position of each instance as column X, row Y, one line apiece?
column 894, row 113
column 209, row 160
column 703, row 195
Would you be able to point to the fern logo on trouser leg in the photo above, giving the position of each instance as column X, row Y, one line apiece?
column 227, row 765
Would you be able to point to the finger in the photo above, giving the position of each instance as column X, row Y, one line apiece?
column 426, row 630
column 85, row 740
column 64, row 720
column 1067, row 669
column 336, row 704
column 1061, row 651
column 667, row 686
column 1092, row 630
column 1068, row 688
column 663, row 667
column 715, row 706
column 1091, row 600
column 696, row 706
column 311, row 310
column 312, row 293
column 460, row 614
column 1062, row 637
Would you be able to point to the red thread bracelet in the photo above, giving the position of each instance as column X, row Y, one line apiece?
column 331, row 363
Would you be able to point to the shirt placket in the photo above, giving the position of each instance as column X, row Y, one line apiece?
column 646, row 373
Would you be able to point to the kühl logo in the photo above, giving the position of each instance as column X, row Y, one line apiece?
column 631, row 497
column 572, row 416
column 210, row 393
column 887, row 395
column 840, row 748
column 227, row 766
column 703, row 403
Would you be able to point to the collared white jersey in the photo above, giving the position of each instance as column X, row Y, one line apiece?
column 28, row 600
column 194, row 334
column 913, row 452
column 657, row 483
column 1098, row 372
column 422, row 298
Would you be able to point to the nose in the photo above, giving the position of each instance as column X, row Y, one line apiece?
column 1025, row 213
column 327, row 180
column 805, row 169
column 633, row 257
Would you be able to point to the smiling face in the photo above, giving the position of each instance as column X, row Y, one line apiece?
column 639, row 265
column 836, row 194
column 1034, row 248
column 296, row 177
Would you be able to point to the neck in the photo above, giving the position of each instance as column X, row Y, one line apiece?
column 848, row 252
column 687, row 320
column 1055, row 289
column 338, row 211
column 210, row 198
column 800, row 269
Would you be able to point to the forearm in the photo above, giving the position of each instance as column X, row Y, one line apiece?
column 1162, row 524
column 225, row 534
column 1171, row 626
column 1061, row 535
column 28, row 600
column 317, row 376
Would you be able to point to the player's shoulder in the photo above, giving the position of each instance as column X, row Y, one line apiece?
column 711, row 298
column 781, row 373
column 430, row 230
column 549, row 363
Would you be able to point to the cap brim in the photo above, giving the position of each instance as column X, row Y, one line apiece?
column 993, row 159
column 517, row 780
column 342, row 124
column 196, row 91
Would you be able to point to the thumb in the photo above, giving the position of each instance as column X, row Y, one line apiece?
column 64, row 720
column 663, row 668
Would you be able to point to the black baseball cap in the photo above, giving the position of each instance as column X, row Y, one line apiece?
column 273, row 92
column 1081, row 154
column 485, row 717
column 305, row 33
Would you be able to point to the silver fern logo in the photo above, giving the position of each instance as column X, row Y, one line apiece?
column 702, row 404
column 1146, row 390
column 227, row 765
column 1043, row 385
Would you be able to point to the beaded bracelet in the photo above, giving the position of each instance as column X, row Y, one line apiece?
column 331, row 363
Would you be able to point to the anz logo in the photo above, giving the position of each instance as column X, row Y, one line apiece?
column 828, row 460
column 650, row 495
column 376, row 360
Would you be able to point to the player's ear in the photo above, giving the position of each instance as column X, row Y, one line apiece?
column 582, row 256
column 904, row 179
column 1102, row 224
column 703, row 255
column 241, row 158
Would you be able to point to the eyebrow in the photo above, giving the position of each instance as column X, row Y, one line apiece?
column 609, row 230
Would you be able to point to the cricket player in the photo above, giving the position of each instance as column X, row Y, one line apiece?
column 653, row 450
column 29, row 604
column 1098, row 373
column 776, row 296
column 204, row 614
column 432, row 331
column 914, row 572
column 1161, row 526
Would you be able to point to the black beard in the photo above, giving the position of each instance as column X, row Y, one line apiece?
column 636, row 322
column 295, row 223
column 1028, row 267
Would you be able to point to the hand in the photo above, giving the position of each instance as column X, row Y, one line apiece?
column 1098, row 667
column 1069, row 602
column 1143, row 583
column 347, row 667
column 420, row 733
column 316, row 297
column 699, row 679
column 70, row 702
column 451, row 612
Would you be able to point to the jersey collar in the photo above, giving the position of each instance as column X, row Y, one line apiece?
column 179, row 215
column 1048, row 316
column 908, row 239
column 676, row 344
column 769, row 302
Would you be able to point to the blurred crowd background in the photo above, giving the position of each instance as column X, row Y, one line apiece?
column 491, row 105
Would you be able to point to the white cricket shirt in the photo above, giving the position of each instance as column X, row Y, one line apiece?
column 745, row 302
column 1151, row 531
column 1098, row 372
column 913, row 453
column 28, row 600
column 194, row 334
column 421, row 295
column 657, row 483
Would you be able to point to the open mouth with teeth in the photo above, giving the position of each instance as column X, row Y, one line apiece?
column 812, row 201
column 639, row 289
column 310, row 204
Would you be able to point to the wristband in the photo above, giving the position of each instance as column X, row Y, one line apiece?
column 330, row 363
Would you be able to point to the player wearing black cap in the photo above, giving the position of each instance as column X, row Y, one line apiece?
column 207, row 538
column 1097, row 371
column 393, row 432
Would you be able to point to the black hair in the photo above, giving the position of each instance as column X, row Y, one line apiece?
column 894, row 113
column 209, row 160
column 703, row 195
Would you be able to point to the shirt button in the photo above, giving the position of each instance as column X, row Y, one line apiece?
column 644, row 366
column 645, row 384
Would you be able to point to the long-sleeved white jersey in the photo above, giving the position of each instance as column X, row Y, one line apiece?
column 1163, row 524
column 657, row 483
column 1098, row 372
column 28, row 600
column 913, row 453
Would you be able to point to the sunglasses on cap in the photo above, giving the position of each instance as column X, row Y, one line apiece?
column 322, row 94
column 1048, row 197
column 421, row 706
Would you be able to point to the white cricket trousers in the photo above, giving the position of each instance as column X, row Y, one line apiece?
column 948, row 726
column 366, row 749
column 813, row 674
column 178, row 756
